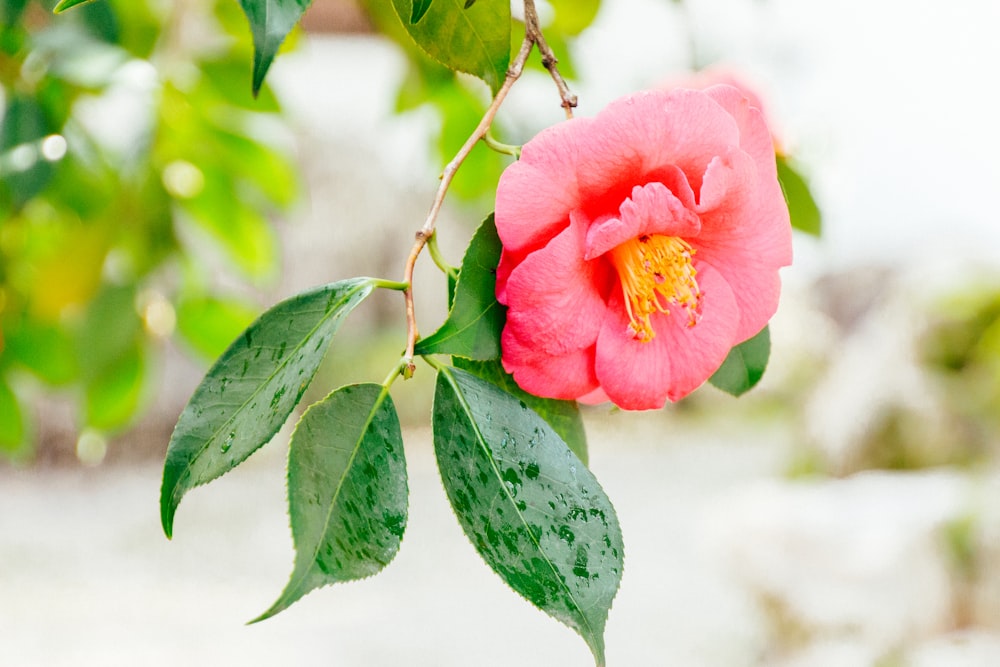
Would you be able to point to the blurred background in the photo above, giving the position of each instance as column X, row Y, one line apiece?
column 842, row 513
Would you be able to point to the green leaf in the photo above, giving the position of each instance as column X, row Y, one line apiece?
column 420, row 8
column 346, row 490
column 249, row 392
column 744, row 367
column 474, row 40
column 802, row 208
column 472, row 329
column 563, row 416
column 534, row 512
column 67, row 4
column 270, row 23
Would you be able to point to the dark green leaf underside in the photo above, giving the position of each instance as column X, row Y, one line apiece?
column 252, row 388
column 472, row 329
column 534, row 512
column 745, row 365
column 346, row 490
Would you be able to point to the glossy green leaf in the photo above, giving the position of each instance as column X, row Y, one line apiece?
column 745, row 365
column 209, row 324
column 12, row 429
column 420, row 8
column 270, row 23
column 346, row 490
column 249, row 392
column 474, row 40
column 67, row 4
column 802, row 208
column 533, row 511
column 563, row 416
column 472, row 329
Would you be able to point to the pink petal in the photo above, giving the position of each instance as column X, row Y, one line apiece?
column 641, row 134
column 755, row 284
column 564, row 376
column 755, row 138
column 643, row 376
column 652, row 209
column 595, row 397
column 555, row 298
column 536, row 193
column 730, row 186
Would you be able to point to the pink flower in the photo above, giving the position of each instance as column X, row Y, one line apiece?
column 639, row 246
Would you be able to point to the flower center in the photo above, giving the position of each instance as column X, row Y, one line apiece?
column 656, row 273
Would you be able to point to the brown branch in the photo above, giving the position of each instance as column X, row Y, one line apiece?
column 533, row 30
column 532, row 37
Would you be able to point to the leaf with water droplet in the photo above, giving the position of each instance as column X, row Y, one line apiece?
column 563, row 416
column 519, row 494
column 346, row 490
column 246, row 396
column 472, row 328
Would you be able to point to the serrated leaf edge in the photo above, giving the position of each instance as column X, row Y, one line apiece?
column 277, row 608
column 481, row 441
column 167, row 517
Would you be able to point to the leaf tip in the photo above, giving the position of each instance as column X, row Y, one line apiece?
column 63, row 5
column 167, row 517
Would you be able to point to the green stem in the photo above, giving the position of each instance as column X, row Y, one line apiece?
column 439, row 259
column 391, row 284
column 401, row 369
column 432, row 362
column 500, row 147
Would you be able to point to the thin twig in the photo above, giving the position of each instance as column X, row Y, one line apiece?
column 532, row 36
column 533, row 31
column 425, row 232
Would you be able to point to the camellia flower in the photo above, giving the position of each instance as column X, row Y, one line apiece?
column 639, row 247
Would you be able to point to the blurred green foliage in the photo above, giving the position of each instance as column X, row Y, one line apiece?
column 130, row 149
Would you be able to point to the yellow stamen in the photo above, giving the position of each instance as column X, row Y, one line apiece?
column 656, row 272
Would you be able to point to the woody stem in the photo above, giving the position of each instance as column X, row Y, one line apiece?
column 532, row 37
